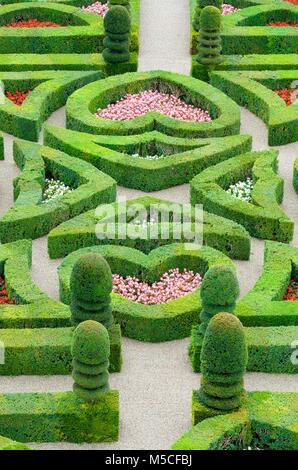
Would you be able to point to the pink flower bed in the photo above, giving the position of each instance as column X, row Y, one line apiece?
column 132, row 106
column 227, row 9
column 172, row 284
column 99, row 9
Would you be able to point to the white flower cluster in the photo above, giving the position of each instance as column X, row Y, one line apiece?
column 242, row 190
column 53, row 189
column 148, row 157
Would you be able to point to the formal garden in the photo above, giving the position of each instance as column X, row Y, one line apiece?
column 148, row 225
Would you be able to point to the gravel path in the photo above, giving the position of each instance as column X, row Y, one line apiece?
column 156, row 380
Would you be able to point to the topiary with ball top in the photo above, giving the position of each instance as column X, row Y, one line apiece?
column 117, row 25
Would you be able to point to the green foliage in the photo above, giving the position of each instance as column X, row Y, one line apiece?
column 124, row 3
column 91, row 285
column 223, row 362
column 90, row 351
column 209, row 41
column 219, row 291
column 200, row 4
column 117, row 24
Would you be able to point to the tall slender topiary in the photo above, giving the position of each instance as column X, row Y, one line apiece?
column 223, row 362
column 200, row 4
column 123, row 3
column 219, row 292
column 90, row 353
column 209, row 40
column 91, row 284
column 117, row 24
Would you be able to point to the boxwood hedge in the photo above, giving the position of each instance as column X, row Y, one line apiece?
column 254, row 91
column 29, row 217
column 83, row 104
column 224, row 235
column 8, row 444
column 49, row 91
column 263, row 217
column 184, row 158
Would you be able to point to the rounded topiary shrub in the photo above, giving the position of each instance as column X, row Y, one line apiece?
column 198, row 9
column 90, row 352
column 219, row 291
column 209, row 40
column 117, row 25
column 91, row 284
column 223, row 363
column 124, row 3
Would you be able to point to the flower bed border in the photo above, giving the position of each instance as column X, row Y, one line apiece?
column 30, row 219
column 263, row 219
column 110, row 154
column 219, row 233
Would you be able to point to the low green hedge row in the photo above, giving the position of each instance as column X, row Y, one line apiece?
column 154, row 323
column 83, row 104
column 270, row 349
column 80, row 32
column 224, row 235
column 254, row 91
column 8, row 444
column 184, row 159
column 50, row 90
column 295, row 175
column 56, row 417
column 248, row 62
column 263, row 305
column 246, row 31
column 266, row 421
column 263, row 217
column 29, row 217
column 1, row 147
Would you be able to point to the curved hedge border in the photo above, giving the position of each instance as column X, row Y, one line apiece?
column 263, row 305
column 267, row 420
column 253, row 90
column 8, row 444
column 154, row 323
column 83, row 104
column 112, row 154
column 263, row 218
column 50, row 90
column 219, row 233
column 82, row 31
column 242, row 35
column 29, row 218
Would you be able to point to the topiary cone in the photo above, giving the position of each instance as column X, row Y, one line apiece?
column 90, row 352
column 223, row 363
column 91, row 284
column 219, row 291
column 209, row 40
column 117, row 25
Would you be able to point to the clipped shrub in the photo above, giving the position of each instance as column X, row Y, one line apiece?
column 117, row 25
column 124, row 3
column 219, row 291
column 90, row 352
column 209, row 40
column 91, row 284
column 223, row 362
column 199, row 7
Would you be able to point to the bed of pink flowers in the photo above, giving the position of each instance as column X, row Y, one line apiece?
column 99, row 9
column 132, row 106
column 172, row 284
column 227, row 9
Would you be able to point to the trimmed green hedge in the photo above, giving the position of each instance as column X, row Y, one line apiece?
column 113, row 155
column 83, row 104
column 154, row 323
column 8, row 444
column 268, row 420
column 246, row 31
column 82, row 231
column 263, row 218
column 56, row 417
column 30, row 218
column 270, row 349
column 50, row 90
column 254, row 91
column 1, row 147
column 263, row 305
column 80, row 31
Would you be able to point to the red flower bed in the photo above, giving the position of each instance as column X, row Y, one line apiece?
column 32, row 23
column 3, row 293
column 18, row 97
column 292, row 291
column 295, row 2
column 283, row 23
column 286, row 94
